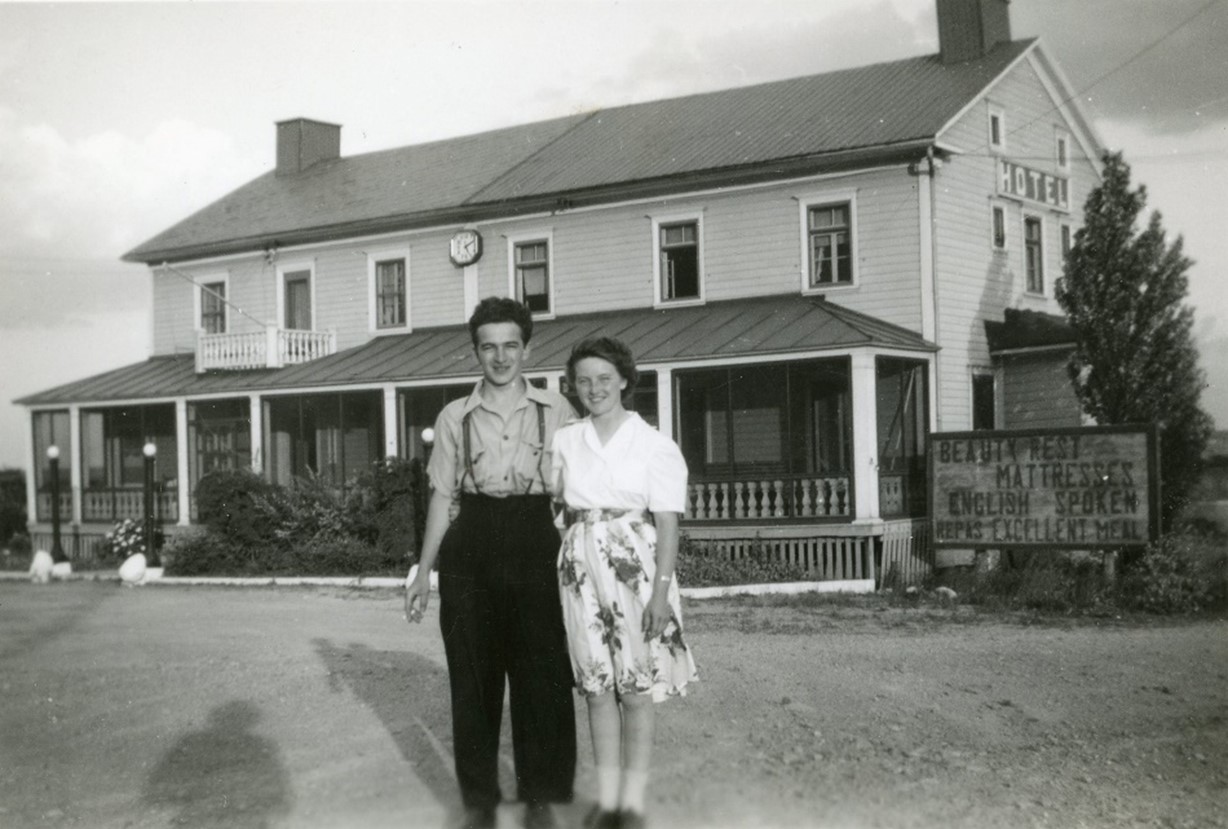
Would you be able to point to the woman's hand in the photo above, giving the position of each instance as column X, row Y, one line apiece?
column 656, row 614
column 417, row 596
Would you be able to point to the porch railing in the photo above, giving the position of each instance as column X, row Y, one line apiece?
column 797, row 496
column 43, row 506
column 271, row 348
column 907, row 557
column 118, row 504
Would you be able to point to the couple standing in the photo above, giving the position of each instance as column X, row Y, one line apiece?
column 601, row 614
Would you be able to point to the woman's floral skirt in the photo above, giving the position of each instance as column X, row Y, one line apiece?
column 607, row 567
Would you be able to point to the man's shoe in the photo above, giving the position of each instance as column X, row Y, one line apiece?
column 479, row 817
column 599, row 818
column 539, row 816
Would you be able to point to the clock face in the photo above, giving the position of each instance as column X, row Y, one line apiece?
column 465, row 247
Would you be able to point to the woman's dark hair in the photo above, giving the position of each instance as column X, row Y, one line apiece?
column 501, row 309
column 612, row 351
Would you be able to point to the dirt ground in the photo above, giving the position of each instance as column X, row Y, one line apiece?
column 317, row 707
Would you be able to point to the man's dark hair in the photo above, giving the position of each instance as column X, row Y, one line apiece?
column 608, row 349
column 501, row 309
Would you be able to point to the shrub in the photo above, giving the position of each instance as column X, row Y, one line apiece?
column 344, row 557
column 311, row 508
column 12, row 504
column 703, row 564
column 234, row 504
column 19, row 545
column 1183, row 572
column 203, row 552
column 1047, row 580
column 397, row 488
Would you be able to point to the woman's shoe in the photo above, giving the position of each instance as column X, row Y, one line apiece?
column 631, row 820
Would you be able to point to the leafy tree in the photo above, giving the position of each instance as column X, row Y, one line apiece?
column 1135, row 360
column 12, row 504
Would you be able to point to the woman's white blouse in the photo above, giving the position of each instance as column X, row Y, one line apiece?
column 638, row 469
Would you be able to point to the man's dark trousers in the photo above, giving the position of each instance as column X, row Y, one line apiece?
column 502, row 623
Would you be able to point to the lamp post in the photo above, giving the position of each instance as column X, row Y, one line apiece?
column 150, row 451
column 57, row 550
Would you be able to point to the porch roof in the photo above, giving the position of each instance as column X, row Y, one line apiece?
column 775, row 325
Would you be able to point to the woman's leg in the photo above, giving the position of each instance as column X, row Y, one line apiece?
column 605, row 725
column 639, row 719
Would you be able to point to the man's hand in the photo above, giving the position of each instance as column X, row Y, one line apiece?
column 417, row 596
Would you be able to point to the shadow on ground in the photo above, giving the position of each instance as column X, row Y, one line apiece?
column 222, row 776
column 411, row 697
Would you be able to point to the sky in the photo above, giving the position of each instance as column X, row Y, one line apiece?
column 118, row 120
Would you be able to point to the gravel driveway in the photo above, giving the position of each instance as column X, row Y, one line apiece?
column 317, row 707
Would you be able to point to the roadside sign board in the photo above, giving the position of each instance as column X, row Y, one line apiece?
column 1081, row 488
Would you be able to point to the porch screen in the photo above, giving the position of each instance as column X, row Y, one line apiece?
column 903, row 434
column 51, row 429
column 113, row 461
column 418, row 409
column 642, row 400
column 334, row 436
column 777, row 419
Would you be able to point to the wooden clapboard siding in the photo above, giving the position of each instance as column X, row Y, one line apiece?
column 341, row 303
column 1037, row 392
column 974, row 282
column 436, row 286
column 174, row 330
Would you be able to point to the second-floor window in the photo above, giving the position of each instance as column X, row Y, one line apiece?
column 999, row 226
column 679, row 257
column 296, row 302
column 531, row 260
column 997, row 129
column 213, row 307
column 1061, row 150
column 830, row 233
column 390, row 294
column 984, row 400
column 1033, row 255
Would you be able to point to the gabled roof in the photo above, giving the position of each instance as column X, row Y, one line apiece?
column 776, row 325
column 869, row 114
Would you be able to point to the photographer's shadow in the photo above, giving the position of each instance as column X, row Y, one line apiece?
column 411, row 697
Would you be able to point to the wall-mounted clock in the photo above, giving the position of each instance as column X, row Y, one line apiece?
column 465, row 247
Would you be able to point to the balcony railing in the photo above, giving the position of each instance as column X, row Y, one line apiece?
column 118, row 504
column 797, row 496
column 271, row 348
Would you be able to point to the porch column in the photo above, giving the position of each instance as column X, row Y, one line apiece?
column 74, row 460
column 865, row 437
column 392, row 424
column 256, row 416
column 181, row 462
column 665, row 402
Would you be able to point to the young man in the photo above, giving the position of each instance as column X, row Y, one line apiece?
column 498, row 590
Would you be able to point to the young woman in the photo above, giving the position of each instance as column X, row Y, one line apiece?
column 616, row 574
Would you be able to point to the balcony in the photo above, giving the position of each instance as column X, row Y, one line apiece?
column 271, row 348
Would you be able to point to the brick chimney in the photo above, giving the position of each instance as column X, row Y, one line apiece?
column 968, row 29
column 302, row 142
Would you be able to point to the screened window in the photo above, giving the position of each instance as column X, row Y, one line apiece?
column 679, row 253
column 213, row 308
column 335, row 437
column 390, row 295
column 418, row 410
column 532, row 263
column 830, row 235
column 1033, row 253
column 51, row 429
column 779, row 419
column 903, row 434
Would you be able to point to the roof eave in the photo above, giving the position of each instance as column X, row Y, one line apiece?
column 835, row 161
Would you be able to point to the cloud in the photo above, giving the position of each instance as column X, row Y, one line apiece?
column 70, row 208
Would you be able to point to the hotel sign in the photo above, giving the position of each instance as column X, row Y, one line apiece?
column 1094, row 487
column 1026, row 184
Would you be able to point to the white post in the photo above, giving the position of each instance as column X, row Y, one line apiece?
column 32, row 459
column 74, row 459
column 257, row 426
column 470, row 291
column 865, row 437
column 665, row 402
column 182, row 479
column 392, row 424
column 272, row 350
column 929, row 323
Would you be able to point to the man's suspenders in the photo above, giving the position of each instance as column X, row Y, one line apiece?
column 467, row 442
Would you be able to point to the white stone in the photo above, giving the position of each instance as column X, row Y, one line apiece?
column 61, row 569
column 132, row 571
column 40, row 567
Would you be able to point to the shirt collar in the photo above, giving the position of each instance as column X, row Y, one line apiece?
column 531, row 394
